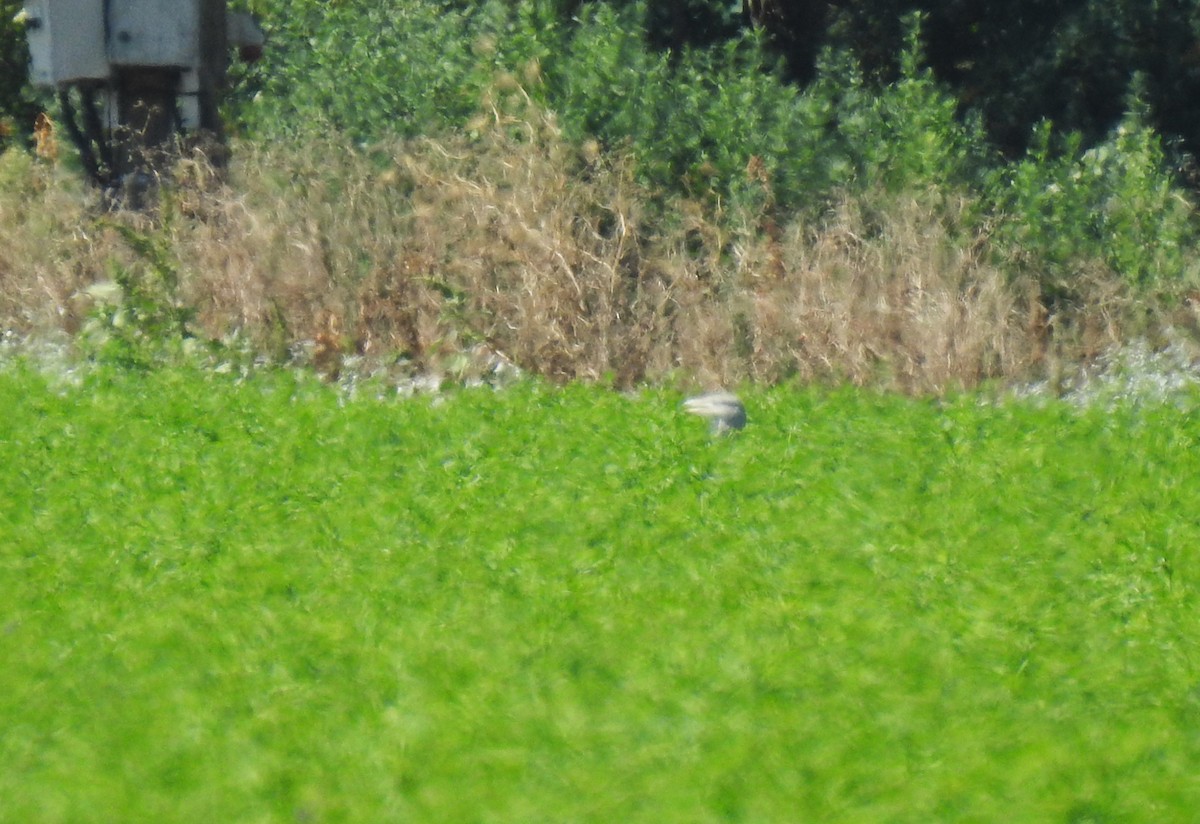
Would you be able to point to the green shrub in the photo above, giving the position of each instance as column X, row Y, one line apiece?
column 906, row 134
column 695, row 120
column 138, row 318
column 401, row 67
column 1116, row 203
column 19, row 104
column 716, row 121
column 722, row 120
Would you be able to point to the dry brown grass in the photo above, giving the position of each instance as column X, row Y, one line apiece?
column 518, row 243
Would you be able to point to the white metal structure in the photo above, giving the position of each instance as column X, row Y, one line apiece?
column 139, row 72
column 63, row 46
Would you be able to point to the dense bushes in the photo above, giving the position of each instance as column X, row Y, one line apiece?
column 370, row 69
column 719, row 123
column 693, row 119
column 1114, row 203
column 736, row 223
column 1015, row 63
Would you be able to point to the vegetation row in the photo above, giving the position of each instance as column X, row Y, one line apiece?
column 579, row 190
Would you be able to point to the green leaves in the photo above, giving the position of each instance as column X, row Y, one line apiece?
column 905, row 136
column 718, row 123
column 401, row 67
column 137, row 318
column 1115, row 203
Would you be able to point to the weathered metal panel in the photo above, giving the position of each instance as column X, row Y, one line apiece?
column 66, row 41
column 154, row 33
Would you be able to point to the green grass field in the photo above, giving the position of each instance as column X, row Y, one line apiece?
column 256, row 601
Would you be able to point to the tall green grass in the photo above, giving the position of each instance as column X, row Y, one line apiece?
column 256, row 600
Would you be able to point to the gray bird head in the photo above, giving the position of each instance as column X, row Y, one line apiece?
column 723, row 410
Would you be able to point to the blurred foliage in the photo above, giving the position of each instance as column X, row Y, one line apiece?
column 777, row 106
column 1115, row 202
column 1015, row 63
column 715, row 121
column 371, row 68
column 1019, row 62
column 18, row 106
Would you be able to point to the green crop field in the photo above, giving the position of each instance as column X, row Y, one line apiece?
column 258, row 600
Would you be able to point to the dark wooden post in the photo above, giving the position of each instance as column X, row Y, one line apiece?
column 214, row 63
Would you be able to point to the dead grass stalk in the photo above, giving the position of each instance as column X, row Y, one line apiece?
column 517, row 243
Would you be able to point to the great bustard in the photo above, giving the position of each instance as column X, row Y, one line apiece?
column 723, row 410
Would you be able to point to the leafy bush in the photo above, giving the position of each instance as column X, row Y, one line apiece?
column 401, row 67
column 1116, row 202
column 18, row 101
column 906, row 134
column 138, row 318
column 714, row 121
column 693, row 122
